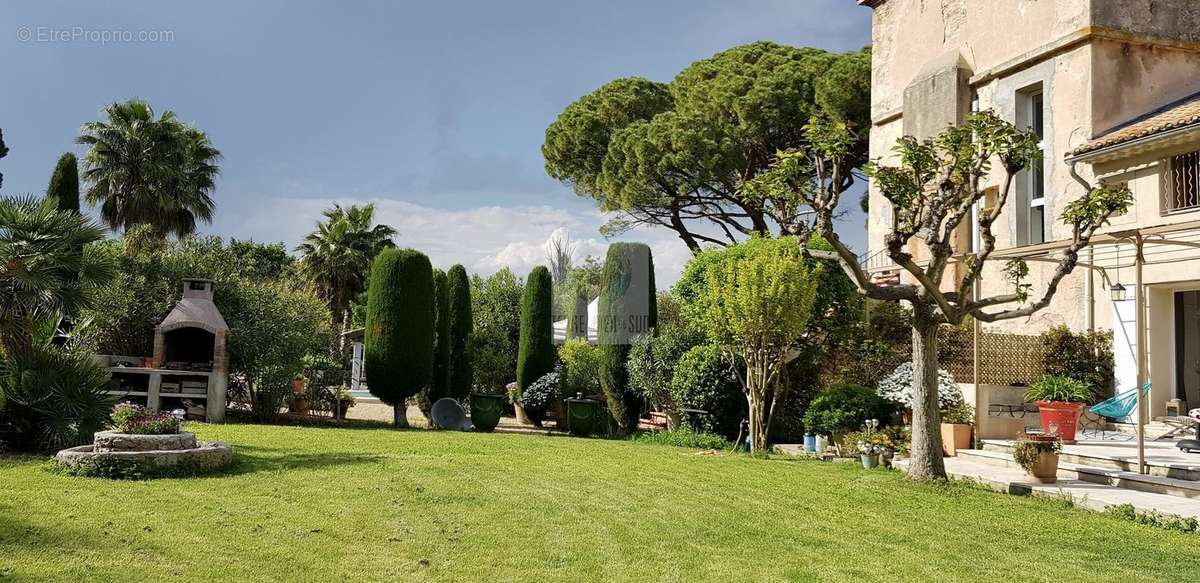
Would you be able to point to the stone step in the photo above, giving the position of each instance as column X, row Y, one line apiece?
column 1167, row 470
column 1082, row 493
column 1112, row 477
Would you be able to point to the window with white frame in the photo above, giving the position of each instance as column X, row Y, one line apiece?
column 1031, row 212
column 1184, row 184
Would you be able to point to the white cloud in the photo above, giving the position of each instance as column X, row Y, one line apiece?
column 483, row 239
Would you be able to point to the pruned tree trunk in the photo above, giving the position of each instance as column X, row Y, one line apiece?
column 757, row 380
column 400, row 416
column 926, row 461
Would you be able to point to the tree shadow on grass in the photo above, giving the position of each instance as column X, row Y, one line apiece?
column 16, row 535
column 249, row 459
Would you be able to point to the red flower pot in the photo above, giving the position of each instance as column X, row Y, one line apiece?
column 1060, row 417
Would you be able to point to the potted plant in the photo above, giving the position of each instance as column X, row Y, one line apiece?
column 486, row 409
column 1037, row 454
column 540, row 396
column 900, row 437
column 870, row 443
column 342, row 402
column 956, row 428
column 1060, row 400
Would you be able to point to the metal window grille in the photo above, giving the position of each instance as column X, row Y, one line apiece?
column 1185, row 182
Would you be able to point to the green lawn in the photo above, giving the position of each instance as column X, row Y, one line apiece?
column 316, row 504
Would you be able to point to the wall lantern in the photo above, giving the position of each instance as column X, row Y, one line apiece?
column 1117, row 292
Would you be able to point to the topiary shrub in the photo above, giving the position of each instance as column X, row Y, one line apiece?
column 842, row 408
column 535, row 352
column 897, row 388
column 458, row 287
column 438, row 386
column 620, row 322
column 398, row 351
column 704, row 381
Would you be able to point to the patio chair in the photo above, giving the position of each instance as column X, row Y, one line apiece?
column 1116, row 408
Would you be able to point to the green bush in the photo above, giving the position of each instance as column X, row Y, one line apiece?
column 398, row 355
column 438, row 385
column 581, row 368
column 273, row 325
column 703, row 380
column 615, row 312
column 535, row 355
column 1085, row 356
column 652, row 360
column 458, row 287
column 843, row 408
column 493, row 346
column 684, row 437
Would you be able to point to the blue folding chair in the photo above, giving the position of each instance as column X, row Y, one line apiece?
column 1119, row 406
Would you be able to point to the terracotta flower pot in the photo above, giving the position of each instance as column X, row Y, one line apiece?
column 1045, row 471
column 1061, row 418
column 522, row 417
column 955, row 436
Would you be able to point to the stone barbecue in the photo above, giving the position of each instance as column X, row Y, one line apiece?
column 190, row 364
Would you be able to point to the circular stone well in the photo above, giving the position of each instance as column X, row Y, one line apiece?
column 133, row 455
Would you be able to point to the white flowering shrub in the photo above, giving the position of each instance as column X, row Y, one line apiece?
column 897, row 388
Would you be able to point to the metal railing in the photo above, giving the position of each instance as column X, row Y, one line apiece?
column 1183, row 192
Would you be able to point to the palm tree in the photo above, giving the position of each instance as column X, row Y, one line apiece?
column 337, row 256
column 142, row 170
column 43, row 273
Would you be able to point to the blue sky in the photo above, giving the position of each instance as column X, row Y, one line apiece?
column 434, row 110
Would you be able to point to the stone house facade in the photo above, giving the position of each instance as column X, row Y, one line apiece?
column 1113, row 89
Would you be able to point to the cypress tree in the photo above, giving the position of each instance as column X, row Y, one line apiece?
column 619, row 320
column 462, row 324
column 64, row 183
column 535, row 352
column 577, row 318
column 398, row 351
column 439, row 385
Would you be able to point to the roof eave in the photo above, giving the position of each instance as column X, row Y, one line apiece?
column 1130, row 147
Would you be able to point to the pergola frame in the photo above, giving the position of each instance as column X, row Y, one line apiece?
column 1140, row 238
